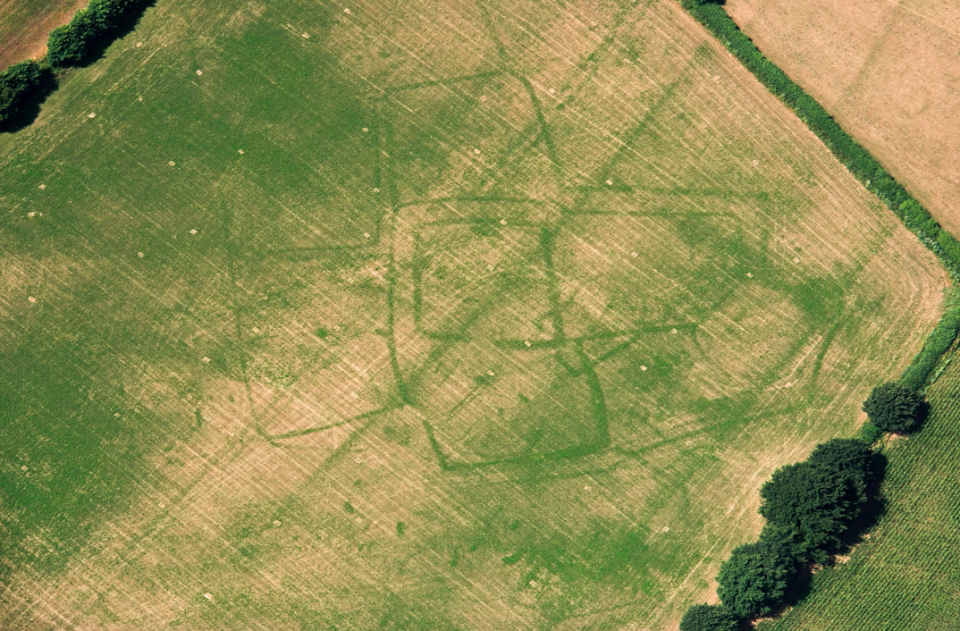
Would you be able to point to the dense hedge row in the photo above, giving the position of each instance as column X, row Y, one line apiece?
column 91, row 30
column 936, row 345
column 24, row 85
column 857, row 159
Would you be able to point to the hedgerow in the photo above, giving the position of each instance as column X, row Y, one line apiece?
column 91, row 30
column 853, row 155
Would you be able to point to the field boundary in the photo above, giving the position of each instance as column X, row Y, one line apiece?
column 929, row 362
column 864, row 168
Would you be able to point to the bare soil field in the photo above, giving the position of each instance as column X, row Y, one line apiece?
column 25, row 25
column 420, row 315
column 889, row 71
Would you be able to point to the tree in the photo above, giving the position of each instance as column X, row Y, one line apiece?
column 845, row 454
column 708, row 618
column 18, row 85
column 70, row 44
column 894, row 408
column 810, row 506
column 753, row 580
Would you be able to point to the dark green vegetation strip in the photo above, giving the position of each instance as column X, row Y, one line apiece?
column 925, row 363
column 23, row 86
column 906, row 575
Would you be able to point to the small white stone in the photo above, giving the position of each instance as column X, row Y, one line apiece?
column 347, row 11
column 551, row 90
column 276, row 523
column 140, row 98
column 256, row 330
column 376, row 190
column 32, row 213
column 643, row 368
column 503, row 222
column 305, row 36
column 490, row 268
column 208, row 596
column 674, row 331
column 749, row 275
column 666, row 529
column 42, row 186
column 205, row 360
column 634, row 254
column 162, row 505
column 365, row 130
column 139, row 44
column 193, row 232
column 92, row 115
column 172, row 163
column 609, row 182
column 796, row 260
column 477, row 151
column 24, row 467
column 140, row 255
column 366, row 235
column 588, row 488
column 199, row 72
column 528, row 344
column 756, row 163
column 240, row 151
column 490, row 372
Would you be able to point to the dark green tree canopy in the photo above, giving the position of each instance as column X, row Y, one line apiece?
column 753, row 580
column 18, row 84
column 811, row 506
column 844, row 454
column 894, row 408
column 90, row 31
column 708, row 618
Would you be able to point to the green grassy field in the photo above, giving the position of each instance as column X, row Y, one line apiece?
column 420, row 315
column 905, row 576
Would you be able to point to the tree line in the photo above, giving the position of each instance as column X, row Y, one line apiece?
column 812, row 509
column 24, row 85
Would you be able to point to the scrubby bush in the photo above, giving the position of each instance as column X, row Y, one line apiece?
column 708, row 618
column 19, row 85
column 90, row 31
column 894, row 408
column 754, row 579
column 869, row 433
column 809, row 507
